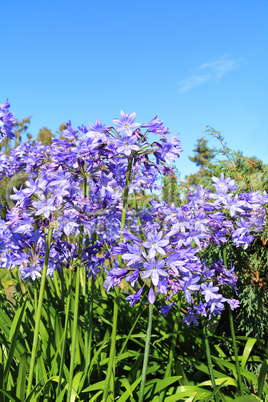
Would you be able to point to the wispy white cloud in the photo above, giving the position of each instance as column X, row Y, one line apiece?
column 210, row 71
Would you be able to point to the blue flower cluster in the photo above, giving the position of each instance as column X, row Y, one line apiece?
column 159, row 249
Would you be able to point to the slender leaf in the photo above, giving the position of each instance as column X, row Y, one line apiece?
column 247, row 398
column 22, row 376
column 247, row 350
column 126, row 384
column 262, row 377
column 13, row 336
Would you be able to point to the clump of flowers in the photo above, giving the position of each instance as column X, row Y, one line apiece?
column 82, row 183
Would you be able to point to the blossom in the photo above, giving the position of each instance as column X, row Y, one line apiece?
column 164, row 310
column 223, row 185
column 133, row 299
column 133, row 255
column 126, row 144
column 44, row 206
column 153, row 270
column 97, row 132
column 155, row 243
column 209, row 291
column 126, row 123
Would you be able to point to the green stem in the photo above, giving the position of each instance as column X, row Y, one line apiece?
column 67, row 310
column 112, row 348
column 210, row 367
column 39, row 311
column 90, row 321
column 173, row 345
column 112, row 356
column 231, row 320
column 56, row 283
column 146, row 352
column 125, row 195
column 137, row 317
column 76, row 305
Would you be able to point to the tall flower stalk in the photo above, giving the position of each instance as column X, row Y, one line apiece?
column 173, row 344
column 146, row 352
column 208, row 354
column 64, row 337
column 76, row 303
column 76, row 308
column 231, row 321
column 39, row 310
column 112, row 355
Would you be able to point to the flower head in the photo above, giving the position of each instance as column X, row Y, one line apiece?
column 126, row 123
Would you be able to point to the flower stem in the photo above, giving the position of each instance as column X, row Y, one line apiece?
column 76, row 305
column 112, row 348
column 111, row 365
column 210, row 367
column 39, row 311
column 69, row 290
column 146, row 352
column 231, row 320
column 173, row 345
column 125, row 196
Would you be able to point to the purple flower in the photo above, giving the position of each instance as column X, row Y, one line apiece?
column 189, row 285
column 155, row 126
column 126, row 144
column 126, row 123
column 97, row 132
column 134, row 254
column 233, row 303
column 164, row 310
column 223, row 185
column 133, row 277
column 155, row 243
column 154, row 269
column 151, row 296
column 234, row 205
column 190, row 317
column 44, row 206
column 209, row 291
column 19, row 196
column 133, row 299
column 24, row 225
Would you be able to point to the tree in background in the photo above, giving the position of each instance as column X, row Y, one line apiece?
column 203, row 156
column 45, row 136
column 62, row 127
column 171, row 190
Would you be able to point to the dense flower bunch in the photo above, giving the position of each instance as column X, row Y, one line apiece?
column 173, row 238
column 80, row 184
column 53, row 194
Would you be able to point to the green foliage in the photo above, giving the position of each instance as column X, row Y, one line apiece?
column 170, row 190
column 251, row 265
column 203, row 156
column 45, row 136
column 189, row 372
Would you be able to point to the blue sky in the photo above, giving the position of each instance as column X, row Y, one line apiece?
column 194, row 63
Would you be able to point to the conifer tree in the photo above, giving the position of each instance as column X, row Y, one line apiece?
column 203, row 156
